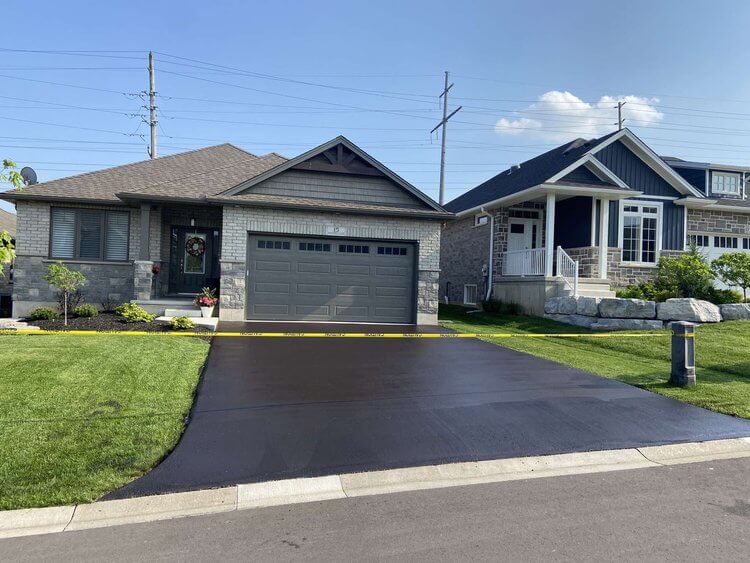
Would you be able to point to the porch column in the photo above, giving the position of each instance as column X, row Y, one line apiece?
column 143, row 253
column 549, row 238
column 603, row 238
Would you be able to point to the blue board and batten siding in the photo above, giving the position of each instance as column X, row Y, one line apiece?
column 641, row 177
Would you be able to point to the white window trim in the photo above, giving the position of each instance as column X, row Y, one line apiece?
column 621, row 228
column 737, row 175
column 476, row 293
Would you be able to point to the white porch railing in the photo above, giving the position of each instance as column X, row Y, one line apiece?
column 567, row 269
column 531, row 262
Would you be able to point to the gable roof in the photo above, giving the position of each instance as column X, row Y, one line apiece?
column 182, row 176
column 553, row 166
column 322, row 149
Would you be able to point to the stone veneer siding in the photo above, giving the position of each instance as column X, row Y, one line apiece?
column 239, row 221
column 111, row 281
column 465, row 251
column 706, row 221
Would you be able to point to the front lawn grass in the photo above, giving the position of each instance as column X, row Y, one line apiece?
column 81, row 416
column 722, row 355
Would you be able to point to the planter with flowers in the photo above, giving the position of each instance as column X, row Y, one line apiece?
column 206, row 300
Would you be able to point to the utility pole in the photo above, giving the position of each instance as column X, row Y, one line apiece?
column 152, row 104
column 444, row 125
column 620, row 120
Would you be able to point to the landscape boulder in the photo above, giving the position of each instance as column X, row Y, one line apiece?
column 616, row 308
column 627, row 324
column 560, row 306
column 588, row 306
column 735, row 311
column 576, row 320
column 691, row 310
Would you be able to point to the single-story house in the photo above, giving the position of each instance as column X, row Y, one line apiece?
column 331, row 235
column 585, row 217
column 7, row 224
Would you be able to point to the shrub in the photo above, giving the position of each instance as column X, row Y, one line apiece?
column 132, row 313
column 108, row 305
column 687, row 275
column 181, row 323
column 44, row 314
column 723, row 296
column 647, row 291
column 85, row 311
column 501, row 307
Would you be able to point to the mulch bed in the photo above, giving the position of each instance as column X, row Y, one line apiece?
column 107, row 322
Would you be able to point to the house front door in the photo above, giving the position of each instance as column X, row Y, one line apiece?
column 194, row 260
column 523, row 234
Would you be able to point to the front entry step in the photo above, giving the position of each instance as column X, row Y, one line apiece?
column 192, row 313
column 590, row 288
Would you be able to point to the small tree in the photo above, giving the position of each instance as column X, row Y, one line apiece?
column 66, row 280
column 8, row 174
column 733, row 268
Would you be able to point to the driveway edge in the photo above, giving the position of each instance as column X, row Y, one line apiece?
column 56, row 519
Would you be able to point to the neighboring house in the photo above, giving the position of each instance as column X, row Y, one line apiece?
column 7, row 223
column 331, row 235
column 535, row 230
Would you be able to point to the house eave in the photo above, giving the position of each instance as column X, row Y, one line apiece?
column 14, row 197
column 543, row 189
column 712, row 205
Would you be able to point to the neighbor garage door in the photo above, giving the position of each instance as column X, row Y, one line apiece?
column 320, row 279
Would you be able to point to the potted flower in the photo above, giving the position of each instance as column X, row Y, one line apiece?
column 206, row 300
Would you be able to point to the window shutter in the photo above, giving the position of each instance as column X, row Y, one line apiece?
column 91, row 234
column 63, row 236
column 117, row 235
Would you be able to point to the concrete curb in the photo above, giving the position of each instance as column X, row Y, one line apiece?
column 25, row 522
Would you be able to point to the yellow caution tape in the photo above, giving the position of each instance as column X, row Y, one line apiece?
column 341, row 334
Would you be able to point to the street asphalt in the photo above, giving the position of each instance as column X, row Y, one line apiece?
column 694, row 512
column 276, row 408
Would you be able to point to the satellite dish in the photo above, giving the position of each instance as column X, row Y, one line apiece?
column 29, row 176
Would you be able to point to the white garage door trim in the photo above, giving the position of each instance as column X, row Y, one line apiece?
column 713, row 245
column 295, row 278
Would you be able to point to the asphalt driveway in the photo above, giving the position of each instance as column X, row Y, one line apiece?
column 280, row 408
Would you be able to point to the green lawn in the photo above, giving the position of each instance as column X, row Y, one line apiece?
column 722, row 356
column 80, row 416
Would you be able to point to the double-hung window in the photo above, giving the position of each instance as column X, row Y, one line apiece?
column 640, row 232
column 725, row 183
column 89, row 234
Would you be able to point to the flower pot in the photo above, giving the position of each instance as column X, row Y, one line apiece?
column 207, row 312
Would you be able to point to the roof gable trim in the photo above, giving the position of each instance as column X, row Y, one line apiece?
column 590, row 162
column 322, row 150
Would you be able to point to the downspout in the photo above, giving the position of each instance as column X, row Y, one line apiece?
column 492, row 251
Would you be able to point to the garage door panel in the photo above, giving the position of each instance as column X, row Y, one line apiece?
column 313, row 289
column 268, row 266
column 353, row 269
column 318, row 279
column 313, row 268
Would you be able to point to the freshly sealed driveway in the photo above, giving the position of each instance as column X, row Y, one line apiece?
column 273, row 408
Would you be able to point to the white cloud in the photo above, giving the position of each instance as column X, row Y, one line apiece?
column 561, row 116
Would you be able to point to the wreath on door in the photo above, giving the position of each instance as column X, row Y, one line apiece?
column 195, row 246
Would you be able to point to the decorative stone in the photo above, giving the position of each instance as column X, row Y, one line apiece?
column 616, row 308
column 561, row 306
column 576, row 320
column 627, row 324
column 588, row 306
column 692, row 310
column 735, row 311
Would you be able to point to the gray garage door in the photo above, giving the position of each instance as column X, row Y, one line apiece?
column 322, row 279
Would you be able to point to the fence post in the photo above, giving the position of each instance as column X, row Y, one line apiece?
column 683, row 354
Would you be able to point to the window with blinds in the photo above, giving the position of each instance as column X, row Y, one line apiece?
column 89, row 234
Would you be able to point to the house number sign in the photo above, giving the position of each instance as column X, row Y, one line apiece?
column 335, row 231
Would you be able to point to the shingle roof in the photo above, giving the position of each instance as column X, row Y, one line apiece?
column 530, row 173
column 192, row 174
column 8, row 222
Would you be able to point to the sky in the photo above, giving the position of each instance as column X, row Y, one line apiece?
column 287, row 76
